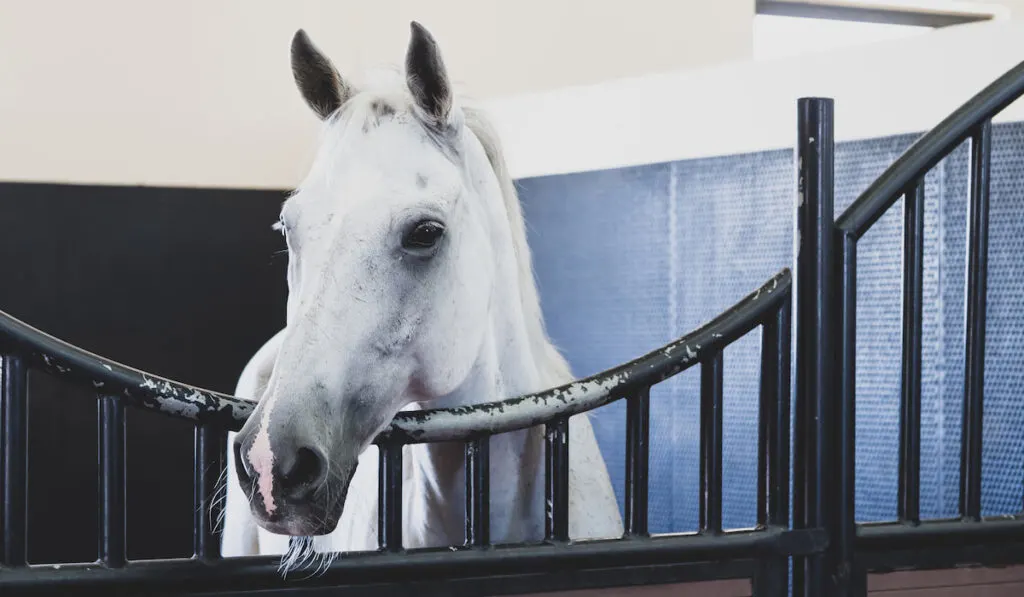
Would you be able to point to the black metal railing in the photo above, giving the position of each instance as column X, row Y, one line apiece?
column 909, row 542
column 760, row 554
column 830, row 553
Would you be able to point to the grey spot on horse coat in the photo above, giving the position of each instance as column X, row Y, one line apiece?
column 381, row 108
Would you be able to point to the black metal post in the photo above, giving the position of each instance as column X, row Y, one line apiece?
column 711, row 444
column 815, row 442
column 14, row 460
column 478, row 492
column 389, row 507
column 977, row 274
column 638, row 408
column 556, row 435
column 909, row 499
column 208, row 465
column 112, row 482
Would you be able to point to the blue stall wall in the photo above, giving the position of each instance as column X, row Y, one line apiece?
column 629, row 259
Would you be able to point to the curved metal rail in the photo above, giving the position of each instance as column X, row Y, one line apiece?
column 910, row 542
column 117, row 385
column 929, row 150
column 204, row 406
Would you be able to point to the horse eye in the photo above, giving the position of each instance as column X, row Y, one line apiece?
column 423, row 235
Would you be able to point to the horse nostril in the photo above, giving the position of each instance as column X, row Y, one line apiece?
column 242, row 466
column 304, row 474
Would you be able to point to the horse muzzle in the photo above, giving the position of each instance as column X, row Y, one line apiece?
column 295, row 493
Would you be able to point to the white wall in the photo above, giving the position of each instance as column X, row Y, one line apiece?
column 199, row 92
column 899, row 86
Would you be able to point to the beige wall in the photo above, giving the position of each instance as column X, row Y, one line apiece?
column 905, row 85
column 1015, row 7
column 198, row 92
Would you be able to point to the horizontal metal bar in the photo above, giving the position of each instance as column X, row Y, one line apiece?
column 135, row 387
column 13, row 460
column 112, row 482
column 929, row 149
column 938, row 533
column 944, row 557
column 571, row 581
column 185, row 401
column 596, row 390
column 882, row 15
column 371, row 568
column 940, row 544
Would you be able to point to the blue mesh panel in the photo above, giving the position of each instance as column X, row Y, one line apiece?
column 581, row 225
column 629, row 258
column 1002, row 467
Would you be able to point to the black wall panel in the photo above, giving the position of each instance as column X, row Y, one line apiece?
column 185, row 283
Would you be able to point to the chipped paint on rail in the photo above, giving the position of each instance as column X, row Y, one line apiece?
column 180, row 400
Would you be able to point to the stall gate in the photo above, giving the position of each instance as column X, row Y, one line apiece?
column 808, row 544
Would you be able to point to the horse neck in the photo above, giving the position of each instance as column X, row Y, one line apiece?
column 508, row 365
column 509, row 362
column 437, row 516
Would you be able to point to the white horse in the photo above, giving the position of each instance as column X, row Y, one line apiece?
column 410, row 286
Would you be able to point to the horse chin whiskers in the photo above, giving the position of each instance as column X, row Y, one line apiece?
column 302, row 555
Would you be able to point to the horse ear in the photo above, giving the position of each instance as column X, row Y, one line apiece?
column 317, row 79
column 426, row 75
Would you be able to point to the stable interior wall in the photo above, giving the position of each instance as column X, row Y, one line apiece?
column 656, row 202
column 676, row 174
column 200, row 92
column 144, row 153
column 629, row 259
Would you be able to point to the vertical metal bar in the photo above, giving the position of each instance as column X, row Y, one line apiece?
column 815, row 354
column 638, row 407
column 772, row 577
column 556, row 473
column 849, row 578
column 773, row 440
column 977, row 274
column 909, row 498
column 14, row 460
column 389, row 507
column 711, row 444
column 208, row 465
column 112, row 482
column 478, row 492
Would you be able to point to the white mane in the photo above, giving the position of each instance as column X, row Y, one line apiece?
column 552, row 365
